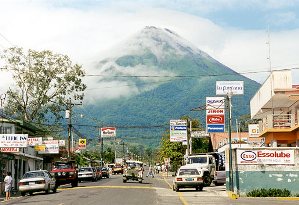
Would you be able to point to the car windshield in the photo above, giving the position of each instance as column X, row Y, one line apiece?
column 33, row 175
column 85, row 169
column 104, row 169
column 201, row 160
column 62, row 166
column 188, row 172
column 134, row 165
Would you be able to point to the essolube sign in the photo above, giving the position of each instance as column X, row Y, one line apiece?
column 266, row 156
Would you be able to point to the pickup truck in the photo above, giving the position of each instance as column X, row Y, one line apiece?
column 212, row 165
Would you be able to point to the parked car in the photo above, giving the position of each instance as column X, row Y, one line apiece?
column 117, row 169
column 188, row 176
column 35, row 181
column 105, row 172
column 87, row 174
column 99, row 172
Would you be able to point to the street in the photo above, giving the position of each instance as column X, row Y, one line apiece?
column 155, row 191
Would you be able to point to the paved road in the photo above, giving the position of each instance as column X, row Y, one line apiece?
column 154, row 191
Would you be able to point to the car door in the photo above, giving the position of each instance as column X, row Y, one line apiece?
column 51, row 180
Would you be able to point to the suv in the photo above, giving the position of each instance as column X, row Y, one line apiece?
column 65, row 173
column 133, row 171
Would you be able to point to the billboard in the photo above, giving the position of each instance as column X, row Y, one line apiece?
column 108, row 132
column 9, row 149
column 178, row 130
column 50, row 149
column 253, row 130
column 265, row 157
column 224, row 87
column 82, row 144
column 32, row 141
column 215, row 114
column 13, row 140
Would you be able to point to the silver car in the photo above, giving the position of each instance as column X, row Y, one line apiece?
column 87, row 173
column 35, row 181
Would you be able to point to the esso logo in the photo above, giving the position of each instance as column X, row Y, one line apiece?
column 248, row 155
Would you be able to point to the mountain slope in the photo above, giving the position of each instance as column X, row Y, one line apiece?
column 158, row 76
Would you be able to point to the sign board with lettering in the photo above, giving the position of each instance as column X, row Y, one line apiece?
column 253, row 130
column 108, row 132
column 32, row 141
column 199, row 134
column 215, row 114
column 13, row 140
column 9, row 149
column 82, row 144
column 50, row 149
column 224, row 87
column 178, row 130
column 265, row 156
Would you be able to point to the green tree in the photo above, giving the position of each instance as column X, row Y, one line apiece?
column 43, row 83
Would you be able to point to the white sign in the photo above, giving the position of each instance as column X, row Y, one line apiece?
column 199, row 134
column 9, row 149
column 108, row 132
column 224, row 87
column 265, row 156
column 32, row 141
column 215, row 114
column 61, row 143
column 50, row 149
column 13, row 140
column 51, row 142
column 253, row 130
column 178, row 130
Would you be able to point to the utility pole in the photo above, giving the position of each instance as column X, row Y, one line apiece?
column 228, row 97
column 68, row 115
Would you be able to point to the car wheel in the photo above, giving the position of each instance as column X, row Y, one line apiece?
column 124, row 180
column 55, row 189
column 140, row 180
column 177, row 189
column 207, row 180
column 23, row 193
column 218, row 184
column 31, row 193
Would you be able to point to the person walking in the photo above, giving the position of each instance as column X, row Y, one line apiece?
column 7, row 185
column 150, row 172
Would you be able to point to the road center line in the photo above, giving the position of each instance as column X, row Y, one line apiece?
column 113, row 187
column 181, row 197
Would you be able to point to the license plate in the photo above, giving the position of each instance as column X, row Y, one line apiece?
column 31, row 183
column 189, row 179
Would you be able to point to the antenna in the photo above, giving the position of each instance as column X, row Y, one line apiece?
column 271, row 75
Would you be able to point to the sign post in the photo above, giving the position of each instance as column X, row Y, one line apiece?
column 230, row 88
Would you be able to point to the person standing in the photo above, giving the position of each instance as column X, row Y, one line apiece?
column 7, row 185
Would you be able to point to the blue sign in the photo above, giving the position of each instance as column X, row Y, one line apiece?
column 215, row 128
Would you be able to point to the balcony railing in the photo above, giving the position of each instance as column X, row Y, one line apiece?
column 278, row 121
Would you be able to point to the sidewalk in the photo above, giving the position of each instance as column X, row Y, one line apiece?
column 12, row 197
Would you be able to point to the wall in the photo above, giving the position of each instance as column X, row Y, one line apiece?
column 254, row 176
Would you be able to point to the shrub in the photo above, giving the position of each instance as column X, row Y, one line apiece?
column 272, row 192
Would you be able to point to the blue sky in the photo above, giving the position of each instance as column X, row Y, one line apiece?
column 234, row 32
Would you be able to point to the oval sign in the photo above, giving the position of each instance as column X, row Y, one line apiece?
column 248, row 155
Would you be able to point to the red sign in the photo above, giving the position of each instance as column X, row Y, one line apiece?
column 215, row 119
column 9, row 149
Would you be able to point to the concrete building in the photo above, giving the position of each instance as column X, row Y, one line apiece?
column 276, row 106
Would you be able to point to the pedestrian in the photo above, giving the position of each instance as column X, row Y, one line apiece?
column 7, row 185
column 150, row 172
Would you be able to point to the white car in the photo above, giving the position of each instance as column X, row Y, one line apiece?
column 35, row 181
column 188, row 177
column 87, row 173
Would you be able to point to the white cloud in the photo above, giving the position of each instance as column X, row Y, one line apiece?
column 87, row 35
